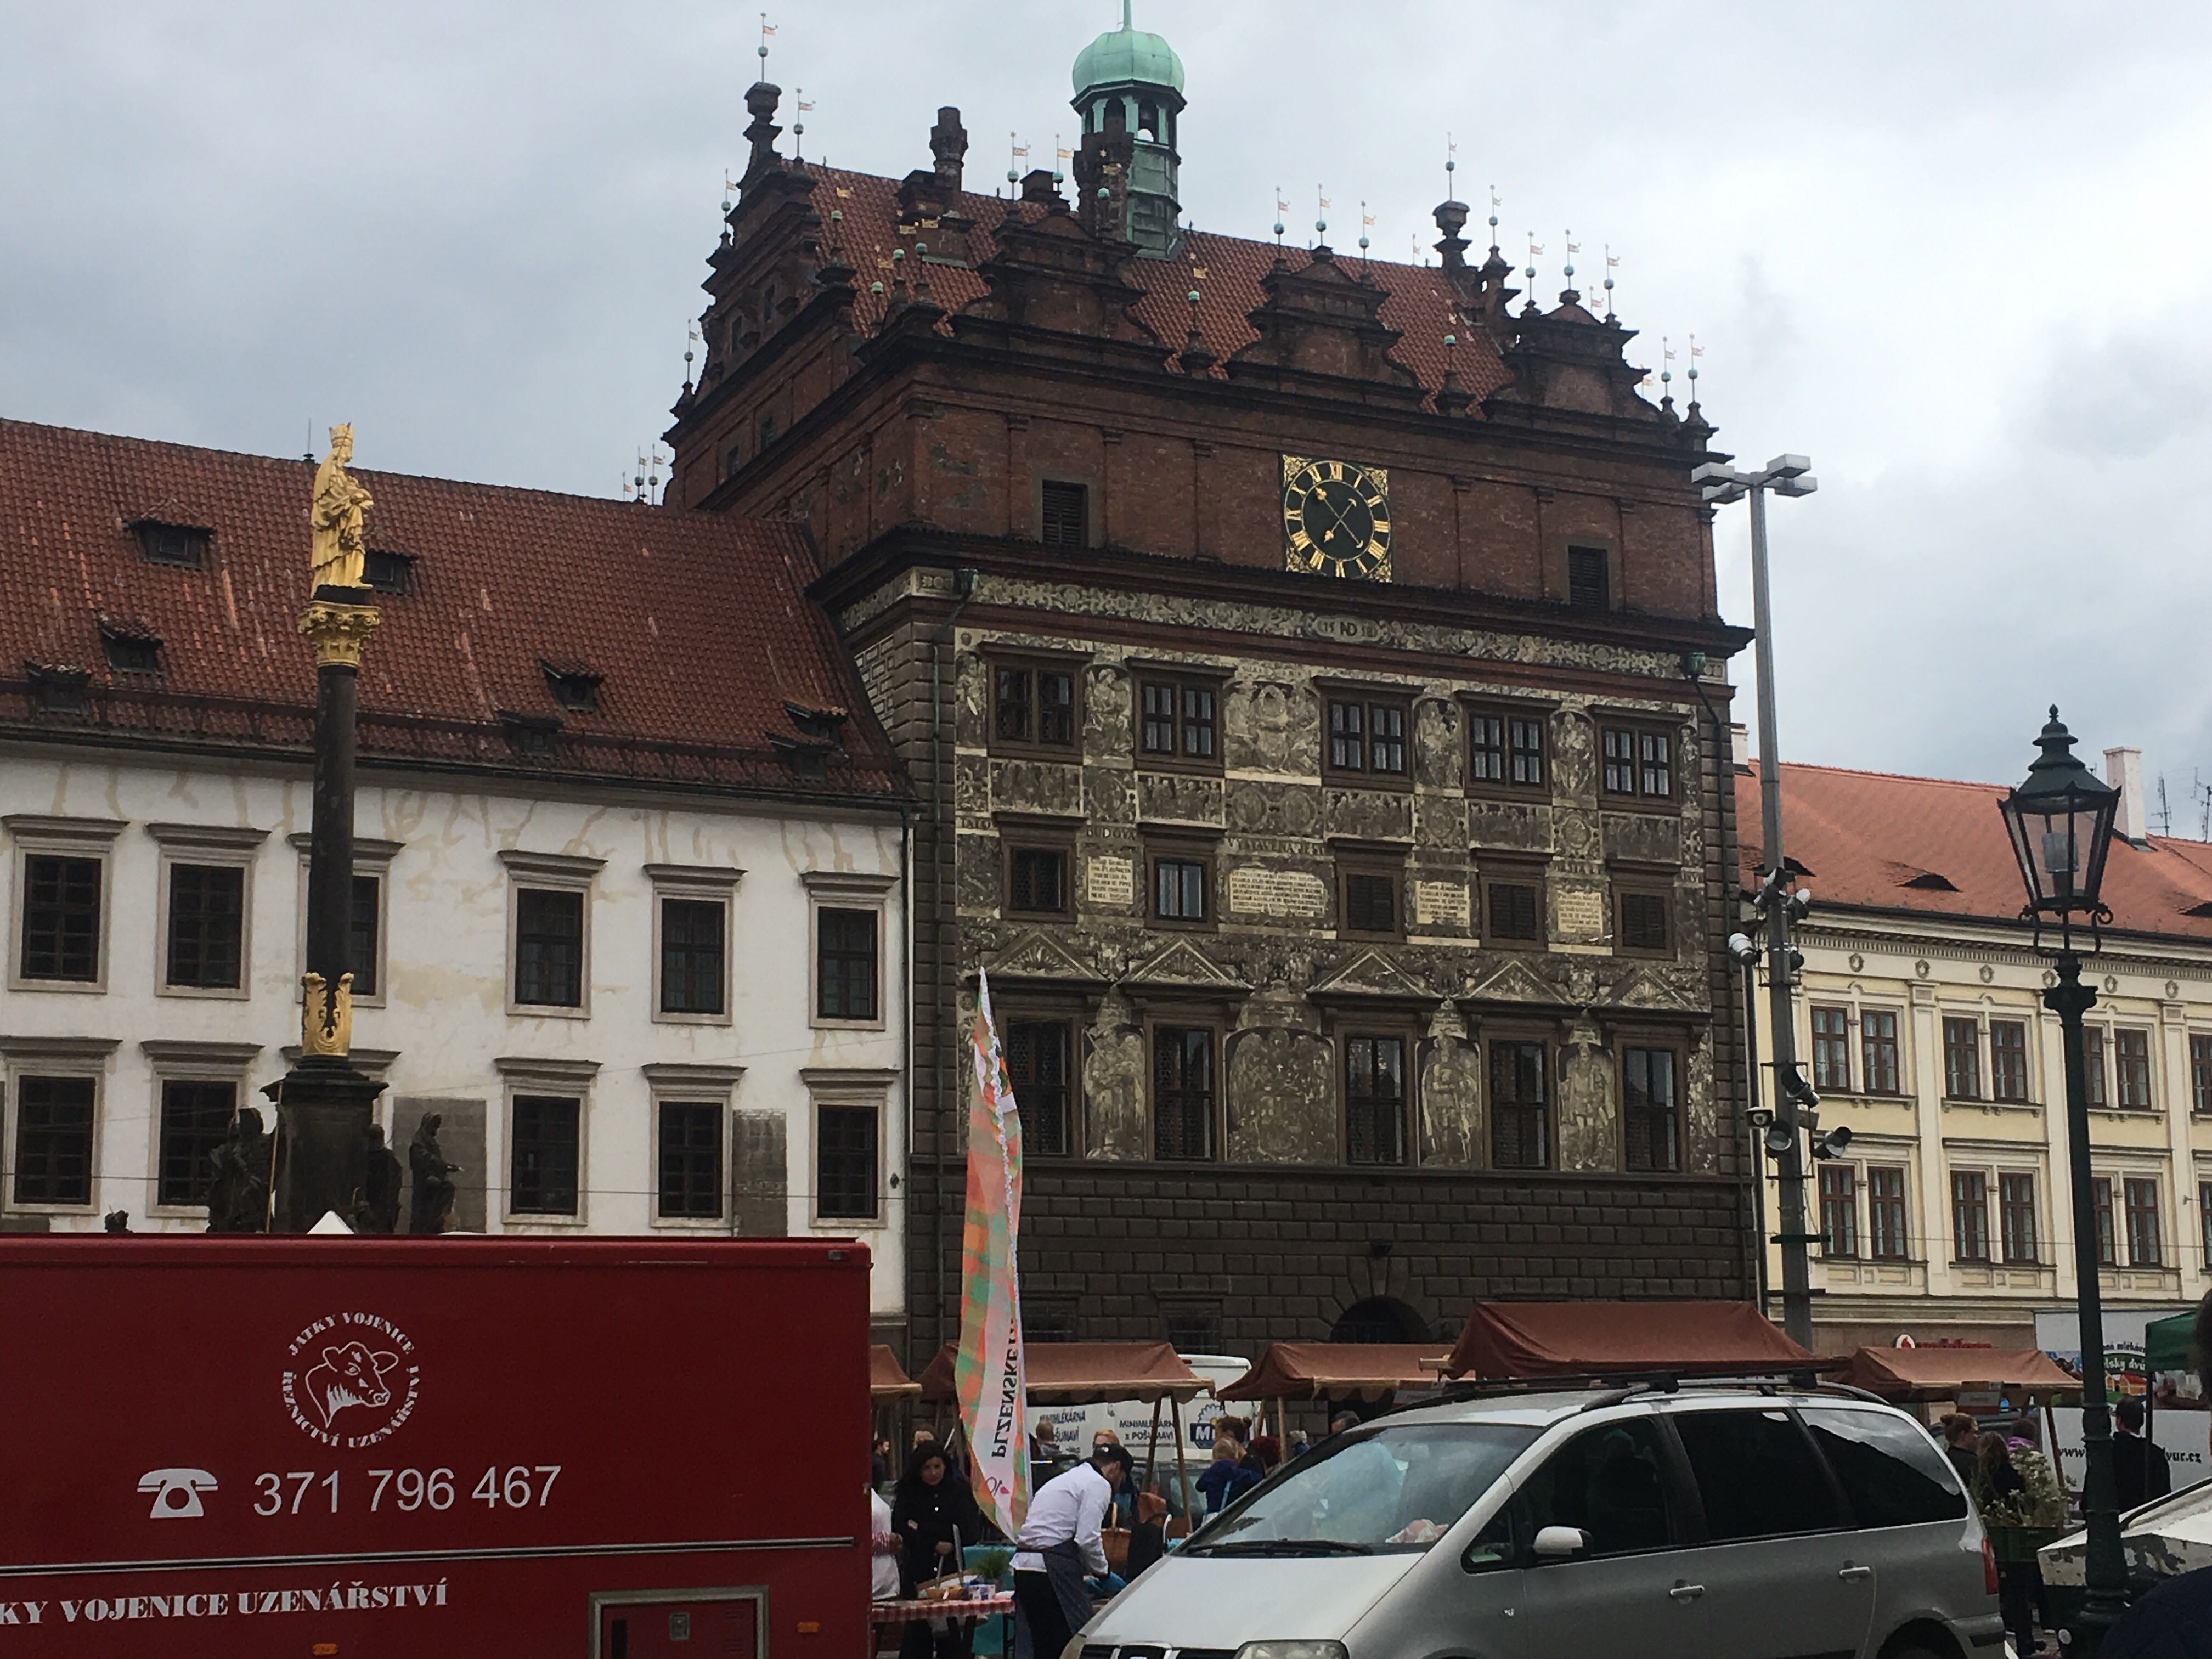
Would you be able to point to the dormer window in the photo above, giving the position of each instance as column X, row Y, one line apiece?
column 388, row 571
column 183, row 545
column 821, row 725
column 531, row 736
column 576, row 689
column 59, row 691
column 130, row 653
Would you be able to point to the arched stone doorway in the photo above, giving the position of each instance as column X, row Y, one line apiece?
column 1379, row 1319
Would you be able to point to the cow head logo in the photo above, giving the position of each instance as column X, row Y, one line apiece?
column 351, row 1379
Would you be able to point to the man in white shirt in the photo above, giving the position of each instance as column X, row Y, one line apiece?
column 1058, row 1545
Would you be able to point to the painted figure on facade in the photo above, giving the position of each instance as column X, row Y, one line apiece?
column 238, row 1191
column 336, row 553
column 434, row 1184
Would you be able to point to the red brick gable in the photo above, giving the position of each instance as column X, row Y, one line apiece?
column 1874, row 841
column 696, row 622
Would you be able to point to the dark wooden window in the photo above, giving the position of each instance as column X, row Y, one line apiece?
column 1180, row 889
column 1878, row 1051
column 1486, row 748
column 207, row 925
column 1513, row 910
column 2144, row 1245
column 1050, row 1322
column 2100, row 1201
column 2007, row 1060
column 692, row 935
column 195, row 1117
column 2016, row 1217
column 1033, row 706
column 2200, row 1076
column 845, row 969
column 1524, row 742
column 2093, row 1063
column 1521, row 1107
column 1036, row 880
column 131, row 654
column 364, row 921
column 173, row 543
column 1962, row 1060
column 1647, row 923
column 2131, row 1059
column 574, row 689
column 1192, row 1330
column 1639, row 764
column 1183, row 1093
column 1651, row 1107
column 1831, row 1049
column 543, row 1161
column 1586, row 586
column 1970, row 1215
column 846, row 1178
column 388, row 571
column 53, row 1139
column 1370, row 902
column 690, row 1160
column 1839, row 1211
column 1178, row 721
column 1366, row 738
column 61, row 918
column 549, row 947
column 1888, row 1237
column 1374, row 1099
column 1064, row 513
column 1038, row 1052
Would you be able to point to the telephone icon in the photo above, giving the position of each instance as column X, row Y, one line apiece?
column 176, row 1493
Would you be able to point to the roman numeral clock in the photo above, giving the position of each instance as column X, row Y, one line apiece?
column 1336, row 518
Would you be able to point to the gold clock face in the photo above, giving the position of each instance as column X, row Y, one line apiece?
column 1336, row 518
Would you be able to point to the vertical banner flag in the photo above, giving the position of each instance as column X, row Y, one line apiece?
column 988, row 1369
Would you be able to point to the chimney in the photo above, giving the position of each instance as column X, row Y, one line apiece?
column 2124, row 771
column 1739, row 746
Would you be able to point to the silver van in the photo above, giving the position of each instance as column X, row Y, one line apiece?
column 1714, row 1522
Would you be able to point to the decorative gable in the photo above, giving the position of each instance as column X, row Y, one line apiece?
column 1322, row 320
column 1036, row 956
column 1183, row 965
column 1373, row 975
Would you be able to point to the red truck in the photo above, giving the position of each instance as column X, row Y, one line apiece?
column 433, row 1449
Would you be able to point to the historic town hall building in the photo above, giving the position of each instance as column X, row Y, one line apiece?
column 1311, row 673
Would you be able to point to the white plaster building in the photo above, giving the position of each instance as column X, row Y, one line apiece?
column 629, row 896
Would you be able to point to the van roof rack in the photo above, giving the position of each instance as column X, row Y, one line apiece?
column 1613, row 1387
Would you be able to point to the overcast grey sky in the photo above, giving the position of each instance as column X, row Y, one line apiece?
column 1956, row 252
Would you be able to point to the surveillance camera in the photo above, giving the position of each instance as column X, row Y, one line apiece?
column 1758, row 1116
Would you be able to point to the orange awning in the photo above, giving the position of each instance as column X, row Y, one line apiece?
column 1078, row 1373
column 1936, row 1373
column 1602, row 1338
column 1338, row 1370
column 887, row 1378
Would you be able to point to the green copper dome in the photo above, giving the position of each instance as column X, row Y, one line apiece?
column 1124, row 55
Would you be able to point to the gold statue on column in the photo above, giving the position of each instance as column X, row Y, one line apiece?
column 336, row 553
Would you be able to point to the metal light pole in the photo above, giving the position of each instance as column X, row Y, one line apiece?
column 1786, row 475
column 2061, row 824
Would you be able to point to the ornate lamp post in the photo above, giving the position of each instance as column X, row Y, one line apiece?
column 2061, row 824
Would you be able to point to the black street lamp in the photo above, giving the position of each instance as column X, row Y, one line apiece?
column 2061, row 824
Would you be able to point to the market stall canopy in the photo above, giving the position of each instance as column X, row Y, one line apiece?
column 1080, row 1373
column 1934, row 1373
column 1337, row 1371
column 2167, row 1344
column 887, row 1378
column 1606, row 1339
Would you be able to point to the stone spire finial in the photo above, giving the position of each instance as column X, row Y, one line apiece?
column 761, row 99
column 1450, row 216
column 948, row 145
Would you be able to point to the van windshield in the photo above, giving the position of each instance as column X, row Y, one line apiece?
column 1394, row 1491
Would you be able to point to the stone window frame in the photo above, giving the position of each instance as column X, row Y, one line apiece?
column 2021, row 1021
column 1093, row 501
column 1019, row 834
column 2148, row 1036
column 1642, row 883
column 1388, row 1026
column 1900, row 1160
column 1641, row 724
column 1508, row 710
column 576, row 1079
column 868, row 1086
column 553, row 872
column 1194, row 845
column 669, row 1082
column 1034, row 661
column 1183, row 675
column 709, row 884
column 44, row 835
column 1531, row 872
column 205, row 846
column 1571, row 543
column 372, row 859
column 88, row 1058
column 1541, row 1034
column 1974, row 1053
column 1900, row 1038
column 1822, row 1198
column 1186, row 1016
column 1661, row 1040
column 1369, row 694
column 845, row 890
column 1032, row 1007
column 175, row 1060
column 1369, row 859
column 2002, row 1239
column 1961, row 1207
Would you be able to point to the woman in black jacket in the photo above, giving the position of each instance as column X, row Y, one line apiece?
column 935, row 1517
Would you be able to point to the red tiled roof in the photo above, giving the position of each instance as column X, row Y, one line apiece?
column 697, row 621
column 1875, row 840
column 1421, row 304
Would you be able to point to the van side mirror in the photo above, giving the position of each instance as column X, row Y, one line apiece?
column 1557, row 1543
